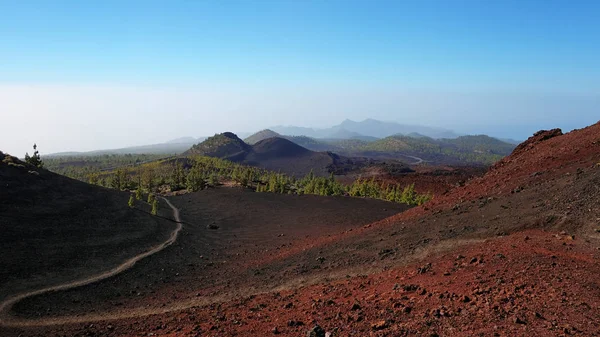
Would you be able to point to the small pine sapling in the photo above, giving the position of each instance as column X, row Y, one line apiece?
column 155, row 207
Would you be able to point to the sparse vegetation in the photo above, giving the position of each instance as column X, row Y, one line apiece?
column 90, row 168
column 466, row 149
column 10, row 160
column 131, row 202
column 198, row 173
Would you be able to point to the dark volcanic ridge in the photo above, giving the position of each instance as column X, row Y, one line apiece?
column 276, row 154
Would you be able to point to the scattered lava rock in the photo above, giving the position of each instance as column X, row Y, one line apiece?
column 518, row 320
column 424, row 269
column 537, row 137
column 316, row 331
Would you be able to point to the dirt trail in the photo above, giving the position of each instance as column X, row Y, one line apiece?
column 9, row 321
column 418, row 160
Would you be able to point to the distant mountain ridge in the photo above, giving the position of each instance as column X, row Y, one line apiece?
column 477, row 149
column 369, row 127
column 174, row 146
column 369, row 138
column 185, row 140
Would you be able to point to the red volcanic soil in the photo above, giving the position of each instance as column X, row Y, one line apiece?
column 533, row 283
column 544, row 156
column 513, row 253
column 528, row 284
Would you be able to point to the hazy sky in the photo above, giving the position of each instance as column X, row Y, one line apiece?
column 82, row 75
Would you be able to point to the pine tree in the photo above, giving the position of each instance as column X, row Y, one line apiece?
column 178, row 178
column 155, row 207
column 93, row 179
column 34, row 160
column 151, row 198
column 408, row 195
column 120, row 179
column 138, row 194
column 148, row 178
column 131, row 201
column 391, row 193
column 195, row 179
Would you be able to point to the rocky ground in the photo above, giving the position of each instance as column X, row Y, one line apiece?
column 513, row 253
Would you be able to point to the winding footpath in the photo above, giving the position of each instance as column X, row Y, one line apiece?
column 418, row 160
column 9, row 321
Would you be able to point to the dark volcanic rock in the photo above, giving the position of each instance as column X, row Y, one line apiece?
column 316, row 331
column 537, row 137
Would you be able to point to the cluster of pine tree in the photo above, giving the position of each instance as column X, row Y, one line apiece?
column 198, row 173
column 312, row 184
column 385, row 191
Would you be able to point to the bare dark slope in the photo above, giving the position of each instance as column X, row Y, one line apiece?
column 279, row 154
column 54, row 229
column 278, row 147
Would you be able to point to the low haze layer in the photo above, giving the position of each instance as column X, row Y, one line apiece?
column 80, row 77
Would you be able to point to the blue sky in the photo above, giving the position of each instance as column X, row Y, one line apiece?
column 506, row 68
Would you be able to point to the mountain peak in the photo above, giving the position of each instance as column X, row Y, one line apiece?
column 261, row 135
column 222, row 145
column 230, row 135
